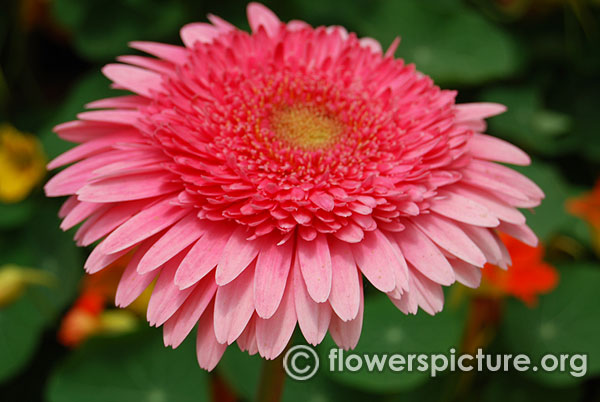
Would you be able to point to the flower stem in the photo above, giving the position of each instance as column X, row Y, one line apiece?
column 272, row 378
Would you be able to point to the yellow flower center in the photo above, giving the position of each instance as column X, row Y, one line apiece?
column 305, row 127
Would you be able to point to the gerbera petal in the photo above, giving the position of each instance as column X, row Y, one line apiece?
column 143, row 225
column 166, row 297
column 237, row 255
column 483, row 146
column 424, row 255
column 177, row 238
column 135, row 79
column 261, row 16
column 132, row 284
column 208, row 350
column 234, row 305
column 467, row 274
column 347, row 333
column 177, row 328
column 198, row 32
column 463, row 209
column 204, row 255
column 274, row 333
column 376, row 260
column 272, row 268
column 451, row 238
column 345, row 289
column 315, row 264
column 313, row 317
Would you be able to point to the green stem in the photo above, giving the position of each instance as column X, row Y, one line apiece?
column 272, row 379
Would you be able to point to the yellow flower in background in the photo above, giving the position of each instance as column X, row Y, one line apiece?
column 22, row 164
column 14, row 280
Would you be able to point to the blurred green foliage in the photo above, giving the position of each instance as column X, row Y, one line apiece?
column 539, row 57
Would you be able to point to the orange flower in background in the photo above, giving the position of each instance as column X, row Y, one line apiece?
column 528, row 277
column 587, row 207
column 93, row 313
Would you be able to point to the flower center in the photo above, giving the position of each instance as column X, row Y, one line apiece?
column 306, row 127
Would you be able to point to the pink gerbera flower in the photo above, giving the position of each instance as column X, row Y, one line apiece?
column 259, row 177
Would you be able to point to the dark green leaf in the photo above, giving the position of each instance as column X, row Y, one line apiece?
column 445, row 39
column 386, row 330
column 132, row 368
column 566, row 321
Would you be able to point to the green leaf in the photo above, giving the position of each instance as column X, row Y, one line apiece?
column 20, row 326
column 13, row 215
column 527, row 123
column 387, row 331
column 566, row 321
column 504, row 387
column 101, row 29
column 445, row 39
column 136, row 368
column 242, row 373
column 41, row 246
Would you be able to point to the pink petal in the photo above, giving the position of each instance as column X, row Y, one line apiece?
column 485, row 241
column 347, row 333
column 175, row 54
column 177, row 328
column 94, row 146
column 143, row 225
column 247, row 340
column 497, row 207
column 467, row 274
column 208, row 350
column 377, row 260
column 127, row 117
column 98, row 260
column 119, row 102
column 463, row 209
column 486, row 147
column 237, row 255
column 135, row 79
column 351, row 233
column 449, row 236
column 80, row 212
column 477, row 111
column 345, row 290
column 234, row 305
column 273, row 334
column 129, row 187
column 178, row 237
column 259, row 15
column 166, row 296
column 204, row 255
column 272, row 268
column 424, row 255
column 313, row 317
column 198, row 32
column 132, row 284
column 315, row 264
column 429, row 294
column 104, row 222
column 520, row 232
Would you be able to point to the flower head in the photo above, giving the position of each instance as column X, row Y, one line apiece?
column 259, row 177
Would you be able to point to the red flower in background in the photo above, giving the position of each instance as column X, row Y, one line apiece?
column 528, row 277
column 93, row 312
column 587, row 207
